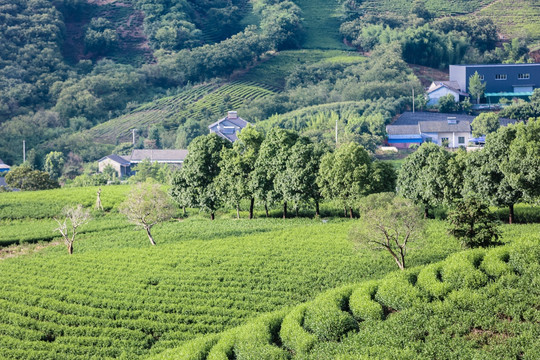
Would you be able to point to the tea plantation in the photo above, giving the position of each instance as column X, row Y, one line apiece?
column 119, row 297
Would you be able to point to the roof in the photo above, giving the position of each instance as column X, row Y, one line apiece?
column 510, row 94
column 4, row 167
column 410, row 118
column 228, row 127
column 444, row 126
column 116, row 158
column 450, row 85
column 410, row 123
column 497, row 65
column 165, row 155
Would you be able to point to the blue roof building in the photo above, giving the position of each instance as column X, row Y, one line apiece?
column 3, row 167
column 229, row 126
column 502, row 80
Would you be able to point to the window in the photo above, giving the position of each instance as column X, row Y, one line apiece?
column 500, row 77
column 445, row 142
column 524, row 76
column 461, row 140
column 481, row 77
column 429, row 139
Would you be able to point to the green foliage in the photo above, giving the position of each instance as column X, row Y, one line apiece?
column 325, row 317
column 54, row 162
column 362, row 303
column 471, row 222
column 447, row 104
column 26, row 179
column 100, row 37
column 146, row 170
column 422, row 177
column 398, row 292
column 461, row 270
column 484, row 124
column 477, row 88
column 522, row 110
column 292, row 333
column 522, row 167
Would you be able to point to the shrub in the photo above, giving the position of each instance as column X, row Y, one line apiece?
column 196, row 349
column 362, row 305
column 495, row 263
column 397, row 291
column 461, row 270
column 326, row 318
column 255, row 340
column 472, row 223
column 292, row 333
column 430, row 280
column 224, row 349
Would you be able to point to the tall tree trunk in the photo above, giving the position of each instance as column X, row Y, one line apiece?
column 238, row 211
column 317, row 212
column 296, row 211
column 284, row 209
column 212, row 216
column 266, row 209
column 150, row 236
column 426, row 212
column 70, row 248
column 183, row 211
column 345, row 211
column 511, row 214
column 351, row 213
column 251, row 205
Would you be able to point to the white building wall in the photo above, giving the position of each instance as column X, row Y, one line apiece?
column 453, row 138
column 443, row 91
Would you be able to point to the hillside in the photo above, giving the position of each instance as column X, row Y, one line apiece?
column 457, row 308
column 118, row 297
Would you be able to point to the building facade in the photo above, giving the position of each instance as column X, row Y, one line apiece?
column 502, row 80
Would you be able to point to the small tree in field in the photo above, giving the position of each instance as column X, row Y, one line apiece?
column 472, row 223
column 74, row 217
column 146, row 206
column 389, row 223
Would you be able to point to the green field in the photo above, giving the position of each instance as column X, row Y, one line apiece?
column 439, row 7
column 478, row 304
column 516, row 18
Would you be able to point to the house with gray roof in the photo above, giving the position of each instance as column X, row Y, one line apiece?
column 124, row 164
column 229, row 126
column 119, row 163
column 162, row 156
column 439, row 89
column 440, row 128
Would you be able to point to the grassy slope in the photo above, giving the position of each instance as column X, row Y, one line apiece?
column 118, row 296
column 321, row 24
column 478, row 304
column 516, row 18
column 439, row 7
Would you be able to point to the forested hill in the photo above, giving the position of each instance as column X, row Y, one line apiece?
column 71, row 68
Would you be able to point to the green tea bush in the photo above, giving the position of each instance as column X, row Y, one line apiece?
column 224, row 349
column 327, row 316
column 197, row 349
column 461, row 270
column 255, row 340
column 362, row 305
column 430, row 281
column 398, row 292
column 293, row 334
column 495, row 262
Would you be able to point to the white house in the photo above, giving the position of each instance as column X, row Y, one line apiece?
column 229, row 126
column 439, row 89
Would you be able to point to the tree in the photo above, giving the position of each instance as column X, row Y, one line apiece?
column 522, row 166
column 26, row 179
column 298, row 183
column 74, row 217
column 179, row 191
column 383, row 178
column 54, row 163
column 147, row 205
column 272, row 160
column 447, row 104
column 419, row 9
column 476, row 87
column 237, row 165
column 200, row 169
column 485, row 123
column 471, row 222
column 485, row 176
column 345, row 175
column 389, row 223
column 423, row 176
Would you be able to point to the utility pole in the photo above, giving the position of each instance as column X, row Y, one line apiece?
column 413, row 99
column 336, row 132
column 24, row 150
column 133, row 132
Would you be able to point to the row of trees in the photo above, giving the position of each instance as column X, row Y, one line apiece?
column 281, row 167
column 503, row 173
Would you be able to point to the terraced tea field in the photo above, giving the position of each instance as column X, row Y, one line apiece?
column 439, row 7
